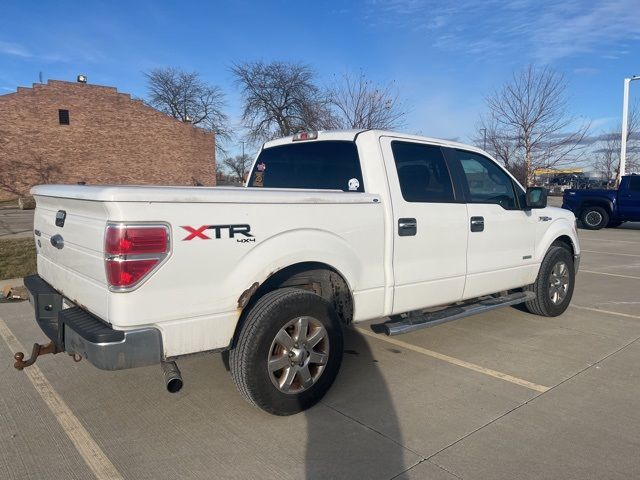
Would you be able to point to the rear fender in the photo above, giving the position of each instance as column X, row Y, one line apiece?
column 605, row 203
column 289, row 248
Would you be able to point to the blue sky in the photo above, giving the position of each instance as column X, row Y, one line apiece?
column 445, row 57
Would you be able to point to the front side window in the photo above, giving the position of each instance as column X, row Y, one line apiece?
column 325, row 165
column 487, row 182
column 634, row 183
column 422, row 172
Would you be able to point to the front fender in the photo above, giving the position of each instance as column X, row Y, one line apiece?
column 558, row 228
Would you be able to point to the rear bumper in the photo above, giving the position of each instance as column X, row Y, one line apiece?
column 76, row 331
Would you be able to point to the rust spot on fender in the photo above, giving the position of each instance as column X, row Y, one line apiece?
column 246, row 295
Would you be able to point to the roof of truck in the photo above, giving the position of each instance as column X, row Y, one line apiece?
column 350, row 135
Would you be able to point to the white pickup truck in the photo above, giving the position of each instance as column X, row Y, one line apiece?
column 332, row 228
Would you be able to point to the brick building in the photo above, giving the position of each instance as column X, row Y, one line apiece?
column 66, row 132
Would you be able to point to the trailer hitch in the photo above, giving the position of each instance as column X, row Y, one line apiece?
column 38, row 350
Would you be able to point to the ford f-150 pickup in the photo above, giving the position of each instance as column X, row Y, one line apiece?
column 331, row 228
column 606, row 208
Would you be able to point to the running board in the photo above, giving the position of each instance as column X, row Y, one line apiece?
column 425, row 320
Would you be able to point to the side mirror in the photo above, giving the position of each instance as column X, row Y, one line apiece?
column 536, row 197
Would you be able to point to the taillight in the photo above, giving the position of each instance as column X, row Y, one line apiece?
column 132, row 252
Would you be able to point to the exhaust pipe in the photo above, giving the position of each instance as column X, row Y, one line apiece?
column 172, row 376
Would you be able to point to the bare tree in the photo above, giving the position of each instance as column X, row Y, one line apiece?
column 186, row 97
column 280, row 99
column 359, row 103
column 17, row 177
column 607, row 161
column 529, row 121
column 237, row 166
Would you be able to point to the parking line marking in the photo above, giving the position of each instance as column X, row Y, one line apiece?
column 86, row 446
column 628, row 315
column 612, row 253
column 456, row 361
column 591, row 239
column 609, row 274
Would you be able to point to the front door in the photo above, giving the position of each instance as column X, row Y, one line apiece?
column 429, row 229
column 629, row 198
column 501, row 238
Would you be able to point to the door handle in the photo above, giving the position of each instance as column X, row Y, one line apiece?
column 477, row 224
column 407, row 227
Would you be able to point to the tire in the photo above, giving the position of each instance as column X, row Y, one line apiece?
column 277, row 319
column 553, row 302
column 594, row 218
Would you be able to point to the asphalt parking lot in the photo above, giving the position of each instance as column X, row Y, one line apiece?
column 502, row 395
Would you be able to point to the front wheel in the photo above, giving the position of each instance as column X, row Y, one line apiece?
column 554, row 285
column 288, row 352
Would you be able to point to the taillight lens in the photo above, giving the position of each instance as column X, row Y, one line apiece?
column 132, row 252
column 125, row 273
column 123, row 240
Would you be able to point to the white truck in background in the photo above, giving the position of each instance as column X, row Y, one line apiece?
column 333, row 227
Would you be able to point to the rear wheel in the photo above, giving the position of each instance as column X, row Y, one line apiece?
column 288, row 352
column 554, row 285
column 594, row 218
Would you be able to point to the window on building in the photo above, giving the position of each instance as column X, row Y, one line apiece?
column 63, row 117
column 422, row 172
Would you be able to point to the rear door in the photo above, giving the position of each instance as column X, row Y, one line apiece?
column 629, row 198
column 502, row 235
column 430, row 226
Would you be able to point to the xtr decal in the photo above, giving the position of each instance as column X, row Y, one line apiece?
column 232, row 230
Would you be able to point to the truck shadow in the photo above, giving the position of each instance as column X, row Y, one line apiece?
column 366, row 443
column 629, row 226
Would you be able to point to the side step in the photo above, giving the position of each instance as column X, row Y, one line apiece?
column 425, row 320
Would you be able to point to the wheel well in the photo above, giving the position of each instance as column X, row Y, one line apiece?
column 566, row 242
column 319, row 278
column 595, row 203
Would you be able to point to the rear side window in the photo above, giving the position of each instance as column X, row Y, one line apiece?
column 325, row 165
column 422, row 172
column 634, row 183
column 487, row 182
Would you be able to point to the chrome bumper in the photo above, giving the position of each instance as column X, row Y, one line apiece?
column 138, row 348
column 76, row 331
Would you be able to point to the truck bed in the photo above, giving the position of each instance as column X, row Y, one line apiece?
column 203, row 278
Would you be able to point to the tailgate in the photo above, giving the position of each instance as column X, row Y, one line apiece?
column 70, row 253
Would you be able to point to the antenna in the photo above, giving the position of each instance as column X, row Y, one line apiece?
column 40, row 77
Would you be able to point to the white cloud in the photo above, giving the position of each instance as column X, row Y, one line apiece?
column 544, row 30
column 14, row 49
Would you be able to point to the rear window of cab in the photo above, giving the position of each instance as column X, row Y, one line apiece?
column 323, row 165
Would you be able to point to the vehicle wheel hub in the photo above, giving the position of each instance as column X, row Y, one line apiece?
column 593, row 218
column 298, row 355
column 559, row 282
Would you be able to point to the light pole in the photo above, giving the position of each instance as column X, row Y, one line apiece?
column 484, row 137
column 625, row 127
